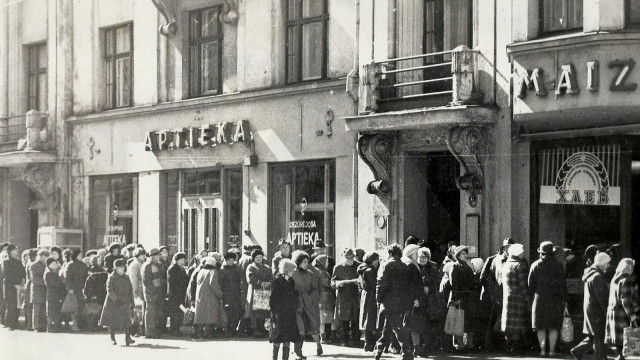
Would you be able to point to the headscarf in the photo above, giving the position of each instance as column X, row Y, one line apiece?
column 516, row 250
column 602, row 259
column 625, row 267
column 410, row 250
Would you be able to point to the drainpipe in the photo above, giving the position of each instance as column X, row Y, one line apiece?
column 352, row 91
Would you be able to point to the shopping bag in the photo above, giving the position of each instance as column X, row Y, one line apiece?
column 454, row 324
column 415, row 322
column 189, row 317
column 70, row 304
column 92, row 308
column 261, row 299
column 631, row 342
column 566, row 336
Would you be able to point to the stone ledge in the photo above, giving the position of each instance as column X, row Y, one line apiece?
column 26, row 157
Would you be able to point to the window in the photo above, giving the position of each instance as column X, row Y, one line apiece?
column 560, row 15
column 205, row 52
column 37, row 77
column 306, row 40
column 632, row 12
column 118, row 51
column 114, row 203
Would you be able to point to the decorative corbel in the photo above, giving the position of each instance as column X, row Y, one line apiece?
column 376, row 151
column 466, row 143
column 166, row 8
column 40, row 179
column 229, row 13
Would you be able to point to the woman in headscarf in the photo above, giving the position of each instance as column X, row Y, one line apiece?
column 431, row 303
column 208, row 299
column 624, row 304
column 177, row 283
column 368, row 273
column 515, row 299
column 547, row 283
column 283, row 304
column 327, row 297
column 259, row 277
column 465, row 292
column 308, row 314
column 95, row 289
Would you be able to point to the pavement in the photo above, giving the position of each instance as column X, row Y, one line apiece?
column 19, row 345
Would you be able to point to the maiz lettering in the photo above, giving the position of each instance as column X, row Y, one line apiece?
column 193, row 137
column 567, row 79
column 586, row 197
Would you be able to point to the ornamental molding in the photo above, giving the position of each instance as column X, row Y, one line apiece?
column 467, row 144
column 376, row 151
column 41, row 180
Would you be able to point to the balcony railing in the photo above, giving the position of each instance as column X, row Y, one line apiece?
column 24, row 132
column 12, row 129
column 426, row 80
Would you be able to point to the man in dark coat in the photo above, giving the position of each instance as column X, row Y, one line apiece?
column 56, row 292
column 596, row 297
column 177, row 283
column 153, row 293
column 393, row 282
column 114, row 254
column 231, row 284
column 116, row 312
column 39, row 291
column 165, row 262
column 14, row 279
column 345, row 282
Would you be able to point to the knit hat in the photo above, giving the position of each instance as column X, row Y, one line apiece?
column 409, row 250
column 298, row 257
column 119, row 263
column 209, row 261
column 75, row 253
column 255, row 253
column 179, row 255
column 114, row 246
column 50, row 261
column 163, row 248
column 371, row 257
column 285, row 266
column 546, row 248
column 394, row 250
column 230, row 255
column 602, row 259
column 460, row 249
column 10, row 248
column 348, row 253
column 516, row 250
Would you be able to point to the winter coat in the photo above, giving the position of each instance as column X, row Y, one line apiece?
column 431, row 303
column 308, row 313
column 331, row 262
column 38, row 287
column 75, row 276
column 347, row 297
column 515, row 299
column 56, row 289
column 275, row 263
column 134, row 271
column 548, row 284
column 208, row 297
column 178, row 281
column 96, row 286
column 193, row 285
column 596, row 293
column 391, row 287
column 284, row 302
column 231, row 284
column 624, row 301
column 327, row 295
column 109, row 260
column 465, row 287
column 367, row 277
column 256, row 276
column 116, row 312
column 152, row 282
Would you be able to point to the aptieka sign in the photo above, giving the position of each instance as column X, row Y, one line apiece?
column 586, row 175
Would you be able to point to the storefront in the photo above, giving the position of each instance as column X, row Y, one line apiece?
column 218, row 173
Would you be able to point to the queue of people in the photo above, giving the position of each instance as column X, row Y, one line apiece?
column 400, row 300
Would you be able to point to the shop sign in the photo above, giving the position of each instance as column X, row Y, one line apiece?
column 114, row 239
column 581, row 176
column 193, row 137
column 567, row 84
column 303, row 233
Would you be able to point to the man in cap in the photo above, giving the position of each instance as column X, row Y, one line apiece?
column 596, row 296
column 153, row 293
column 177, row 281
column 284, row 252
column 14, row 279
column 345, row 282
column 320, row 248
column 39, row 291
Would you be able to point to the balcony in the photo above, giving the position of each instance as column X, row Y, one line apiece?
column 12, row 130
column 421, row 81
column 25, row 139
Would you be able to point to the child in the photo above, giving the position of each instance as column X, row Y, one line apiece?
column 56, row 292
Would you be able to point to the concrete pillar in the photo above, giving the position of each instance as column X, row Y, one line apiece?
column 149, row 209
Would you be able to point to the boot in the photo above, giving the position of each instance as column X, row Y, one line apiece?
column 112, row 333
column 285, row 352
column 127, row 339
column 297, row 349
column 276, row 349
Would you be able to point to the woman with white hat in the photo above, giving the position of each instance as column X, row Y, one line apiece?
column 465, row 293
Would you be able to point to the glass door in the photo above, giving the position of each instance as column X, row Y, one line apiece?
column 201, row 219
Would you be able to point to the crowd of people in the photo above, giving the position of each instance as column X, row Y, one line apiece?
column 399, row 300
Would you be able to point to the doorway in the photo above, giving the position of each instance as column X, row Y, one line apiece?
column 432, row 200
column 201, row 219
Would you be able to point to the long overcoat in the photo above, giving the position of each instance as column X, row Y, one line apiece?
column 284, row 302
column 178, row 281
column 327, row 294
column 596, row 293
column 208, row 297
column 515, row 299
column 624, row 301
column 116, row 312
column 75, row 276
column 308, row 313
column 432, row 300
column 549, row 288
column 38, row 287
column 96, row 286
column 368, row 306
column 256, row 276
column 465, row 287
column 347, row 300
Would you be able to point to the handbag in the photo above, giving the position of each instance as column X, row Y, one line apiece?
column 454, row 324
column 566, row 335
column 70, row 304
column 91, row 308
column 631, row 341
column 260, row 300
column 415, row 322
column 189, row 317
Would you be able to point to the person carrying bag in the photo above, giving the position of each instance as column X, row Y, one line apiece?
column 454, row 324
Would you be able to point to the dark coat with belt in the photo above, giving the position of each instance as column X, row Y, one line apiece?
column 284, row 302
column 116, row 312
column 549, row 286
column 38, row 288
column 391, row 289
column 465, row 287
column 96, row 286
column 368, row 306
column 14, row 274
column 75, row 276
column 596, row 294
column 178, row 281
column 347, row 297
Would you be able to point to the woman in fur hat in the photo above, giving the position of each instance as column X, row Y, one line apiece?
column 259, row 277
